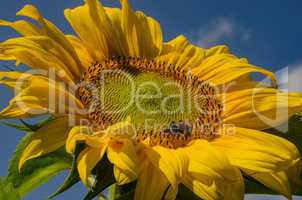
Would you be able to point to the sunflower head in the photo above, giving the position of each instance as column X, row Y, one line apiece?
column 169, row 106
column 157, row 111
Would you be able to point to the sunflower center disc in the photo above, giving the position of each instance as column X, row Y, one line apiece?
column 164, row 105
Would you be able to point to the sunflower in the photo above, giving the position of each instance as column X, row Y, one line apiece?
column 163, row 113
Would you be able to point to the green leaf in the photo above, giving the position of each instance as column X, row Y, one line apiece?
column 104, row 178
column 73, row 176
column 7, row 191
column 36, row 171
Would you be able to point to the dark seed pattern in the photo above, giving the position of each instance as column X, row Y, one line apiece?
column 176, row 134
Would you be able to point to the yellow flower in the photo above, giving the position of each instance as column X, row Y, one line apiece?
column 197, row 116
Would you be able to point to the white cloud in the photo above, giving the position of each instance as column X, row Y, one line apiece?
column 290, row 78
column 219, row 29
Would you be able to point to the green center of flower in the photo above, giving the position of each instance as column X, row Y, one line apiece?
column 166, row 105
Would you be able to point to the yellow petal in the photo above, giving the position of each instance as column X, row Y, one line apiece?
column 143, row 34
column 260, row 108
column 224, row 68
column 235, row 189
column 209, row 188
column 47, row 139
column 200, row 152
column 10, row 79
column 40, row 52
column 294, row 173
column 25, row 28
column 113, row 32
column 151, row 183
column 243, row 83
column 190, row 56
column 114, row 14
column 216, row 65
column 105, row 28
column 173, row 163
column 221, row 67
column 88, row 31
column 123, row 129
column 82, row 134
column 86, row 162
column 216, row 50
column 204, row 189
column 76, row 134
column 51, row 31
column 41, row 96
column 121, row 153
column 171, row 193
column 219, row 172
column 81, row 50
column 257, row 151
column 7, row 57
column 277, row 181
column 21, row 82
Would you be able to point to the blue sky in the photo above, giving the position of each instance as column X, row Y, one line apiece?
column 268, row 33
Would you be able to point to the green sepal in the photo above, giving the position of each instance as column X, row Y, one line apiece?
column 184, row 193
column 24, row 126
column 103, row 178
column 73, row 176
column 125, row 192
column 7, row 191
column 17, row 126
